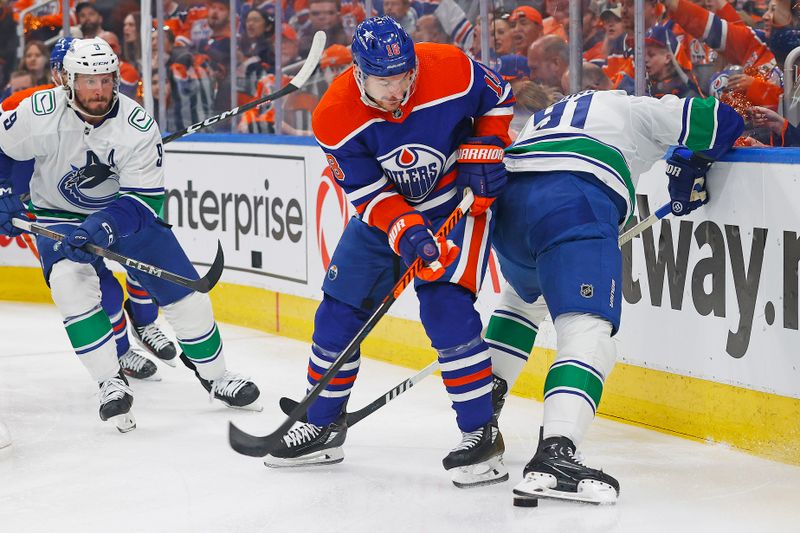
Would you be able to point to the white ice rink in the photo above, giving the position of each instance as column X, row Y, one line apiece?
column 69, row 472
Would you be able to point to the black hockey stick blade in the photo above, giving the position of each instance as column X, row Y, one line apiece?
column 207, row 282
column 203, row 284
column 287, row 406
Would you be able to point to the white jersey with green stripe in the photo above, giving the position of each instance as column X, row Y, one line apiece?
column 80, row 168
column 611, row 135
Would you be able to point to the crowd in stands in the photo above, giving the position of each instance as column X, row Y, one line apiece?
column 730, row 49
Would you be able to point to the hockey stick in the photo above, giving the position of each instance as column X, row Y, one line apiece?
column 203, row 284
column 255, row 446
column 287, row 404
column 314, row 55
column 662, row 211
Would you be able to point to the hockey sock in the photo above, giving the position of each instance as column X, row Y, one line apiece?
column 198, row 336
column 510, row 337
column 454, row 327
column 467, row 376
column 75, row 288
column 335, row 325
column 574, row 384
column 331, row 401
column 511, row 333
column 142, row 308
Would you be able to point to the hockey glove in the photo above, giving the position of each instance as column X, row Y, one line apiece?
column 481, row 168
column 687, row 181
column 10, row 207
column 411, row 236
column 99, row 228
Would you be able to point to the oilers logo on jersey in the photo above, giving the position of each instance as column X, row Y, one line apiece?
column 92, row 186
column 414, row 169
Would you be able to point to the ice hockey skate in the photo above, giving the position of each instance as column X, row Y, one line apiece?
column 116, row 399
column 232, row 389
column 555, row 472
column 478, row 459
column 137, row 366
column 309, row 444
column 152, row 339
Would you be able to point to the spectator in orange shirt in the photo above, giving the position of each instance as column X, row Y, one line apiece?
column 526, row 27
column 34, row 61
column 740, row 45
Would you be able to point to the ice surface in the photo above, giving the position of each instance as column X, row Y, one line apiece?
column 68, row 471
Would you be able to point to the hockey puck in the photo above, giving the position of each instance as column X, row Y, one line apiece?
column 525, row 502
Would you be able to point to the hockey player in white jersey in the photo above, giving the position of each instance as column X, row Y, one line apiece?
column 572, row 175
column 99, row 179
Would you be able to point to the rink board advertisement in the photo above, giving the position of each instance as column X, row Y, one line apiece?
column 715, row 294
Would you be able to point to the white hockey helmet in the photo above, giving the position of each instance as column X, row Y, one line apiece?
column 90, row 56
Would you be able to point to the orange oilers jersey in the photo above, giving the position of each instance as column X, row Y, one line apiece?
column 390, row 163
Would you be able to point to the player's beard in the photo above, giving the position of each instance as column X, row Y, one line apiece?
column 96, row 106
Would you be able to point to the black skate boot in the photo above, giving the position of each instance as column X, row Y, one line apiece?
column 232, row 389
column 137, row 366
column 555, row 472
column 499, row 393
column 152, row 338
column 309, row 444
column 478, row 460
column 116, row 399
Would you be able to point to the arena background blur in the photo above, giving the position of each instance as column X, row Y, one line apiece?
column 201, row 58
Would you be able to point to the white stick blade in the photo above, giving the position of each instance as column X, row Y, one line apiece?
column 314, row 55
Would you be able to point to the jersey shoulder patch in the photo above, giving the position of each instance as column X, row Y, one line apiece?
column 43, row 102
column 140, row 120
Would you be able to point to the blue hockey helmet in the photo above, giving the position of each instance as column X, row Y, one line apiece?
column 381, row 47
column 59, row 51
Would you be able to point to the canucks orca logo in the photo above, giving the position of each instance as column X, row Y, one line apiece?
column 414, row 169
column 92, row 186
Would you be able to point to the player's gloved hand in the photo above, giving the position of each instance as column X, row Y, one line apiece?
column 411, row 236
column 687, row 181
column 10, row 207
column 481, row 168
column 99, row 228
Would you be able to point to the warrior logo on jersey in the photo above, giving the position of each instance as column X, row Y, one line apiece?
column 92, row 186
column 414, row 169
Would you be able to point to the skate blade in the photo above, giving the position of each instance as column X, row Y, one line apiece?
column 124, row 422
column 536, row 485
column 168, row 362
column 255, row 406
column 154, row 377
column 329, row 456
column 488, row 472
